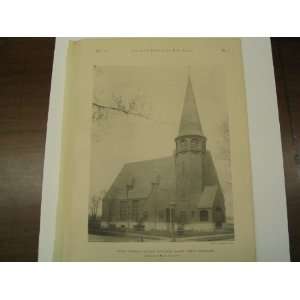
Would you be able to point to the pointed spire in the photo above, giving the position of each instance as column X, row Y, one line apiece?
column 190, row 122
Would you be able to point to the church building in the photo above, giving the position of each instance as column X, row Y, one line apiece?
column 181, row 190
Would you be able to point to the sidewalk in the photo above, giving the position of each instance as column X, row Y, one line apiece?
column 139, row 237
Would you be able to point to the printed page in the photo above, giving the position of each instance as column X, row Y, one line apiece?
column 156, row 162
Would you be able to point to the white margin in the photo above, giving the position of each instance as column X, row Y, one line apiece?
column 272, row 240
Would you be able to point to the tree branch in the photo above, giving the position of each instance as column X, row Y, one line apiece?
column 123, row 110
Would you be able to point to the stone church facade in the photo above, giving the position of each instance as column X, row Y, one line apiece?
column 182, row 190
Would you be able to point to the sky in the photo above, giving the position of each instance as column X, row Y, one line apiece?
column 158, row 93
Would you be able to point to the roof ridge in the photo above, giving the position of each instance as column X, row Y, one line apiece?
column 148, row 160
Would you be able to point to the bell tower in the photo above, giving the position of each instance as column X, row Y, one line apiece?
column 189, row 153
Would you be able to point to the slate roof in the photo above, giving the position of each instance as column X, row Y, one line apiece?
column 140, row 175
column 190, row 122
column 208, row 196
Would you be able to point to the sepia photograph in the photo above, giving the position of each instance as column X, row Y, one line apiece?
column 160, row 168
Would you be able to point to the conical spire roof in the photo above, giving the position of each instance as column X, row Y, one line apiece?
column 190, row 122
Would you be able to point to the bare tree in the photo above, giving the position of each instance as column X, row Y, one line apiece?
column 132, row 105
column 94, row 204
column 132, row 101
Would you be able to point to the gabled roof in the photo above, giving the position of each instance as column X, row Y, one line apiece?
column 138, row 178
column 190, row 122
column 208, row 196
column 160, row 198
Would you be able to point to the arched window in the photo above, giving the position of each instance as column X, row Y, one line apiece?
column 183, row 144
column 203, row 215
column 195, row 144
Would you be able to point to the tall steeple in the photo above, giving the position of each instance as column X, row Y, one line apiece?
column 190, row 152
column 190, row 122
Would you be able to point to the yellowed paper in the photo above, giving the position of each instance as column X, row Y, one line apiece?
column 156, row 163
